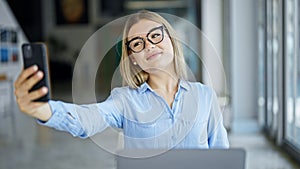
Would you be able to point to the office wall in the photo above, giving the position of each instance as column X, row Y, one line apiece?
column 17, row 131
column 73, row 36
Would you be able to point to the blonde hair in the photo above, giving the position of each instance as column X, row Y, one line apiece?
column 134, row 76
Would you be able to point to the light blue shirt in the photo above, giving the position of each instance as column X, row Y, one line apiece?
column 193, row 121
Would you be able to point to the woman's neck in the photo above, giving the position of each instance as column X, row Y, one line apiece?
column 165, row 85
column 166, row 82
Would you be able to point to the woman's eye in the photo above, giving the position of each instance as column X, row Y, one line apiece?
column 155, row 35
column 137, row 44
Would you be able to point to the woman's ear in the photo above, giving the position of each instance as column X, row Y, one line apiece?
column 133, row 60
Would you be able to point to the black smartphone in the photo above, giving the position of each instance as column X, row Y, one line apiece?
column 36, row 54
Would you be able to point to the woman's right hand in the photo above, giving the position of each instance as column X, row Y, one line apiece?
column 25, row 99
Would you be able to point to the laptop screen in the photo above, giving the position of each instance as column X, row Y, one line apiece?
column 182, row 159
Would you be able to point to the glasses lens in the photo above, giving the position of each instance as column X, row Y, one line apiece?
column 136, row 45
column 155, row 36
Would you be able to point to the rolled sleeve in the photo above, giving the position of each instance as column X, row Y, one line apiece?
column 64, row 118
column 84, row 120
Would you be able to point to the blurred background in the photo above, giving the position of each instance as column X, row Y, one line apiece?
column 257, row 82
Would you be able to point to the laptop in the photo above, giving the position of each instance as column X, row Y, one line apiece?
column 233, row 158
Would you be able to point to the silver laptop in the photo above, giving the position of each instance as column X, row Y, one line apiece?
column 182, row 159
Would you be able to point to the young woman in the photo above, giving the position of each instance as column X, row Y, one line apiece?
column 156, row 108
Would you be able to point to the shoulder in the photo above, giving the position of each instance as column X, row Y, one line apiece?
column 200, row 88
column 202, row 92
column 123, row 90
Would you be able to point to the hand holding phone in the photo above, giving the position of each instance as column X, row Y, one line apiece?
column 36, row 54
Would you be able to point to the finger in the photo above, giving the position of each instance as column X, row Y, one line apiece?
column 24, row 88
column 19, row 93
column 28, row 84
column 38, row 93
column 26, row 97
column 25, row 74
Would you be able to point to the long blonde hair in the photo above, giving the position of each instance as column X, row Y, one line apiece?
column 132, row 75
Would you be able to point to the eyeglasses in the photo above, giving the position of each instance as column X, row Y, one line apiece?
column 154, row 36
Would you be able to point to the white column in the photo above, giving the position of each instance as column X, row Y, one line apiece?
column 213, row 70
column 244, row 58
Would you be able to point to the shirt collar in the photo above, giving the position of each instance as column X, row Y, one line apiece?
column 145, row 86
column 184, row 84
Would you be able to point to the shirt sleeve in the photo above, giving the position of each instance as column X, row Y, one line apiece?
column 84, row 120
column 217, row 134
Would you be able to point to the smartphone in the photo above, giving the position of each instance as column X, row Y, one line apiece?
column 36, row 54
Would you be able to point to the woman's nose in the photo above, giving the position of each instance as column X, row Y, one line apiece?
column 149, row 45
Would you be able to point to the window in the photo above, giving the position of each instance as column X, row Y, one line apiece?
column 292, row 73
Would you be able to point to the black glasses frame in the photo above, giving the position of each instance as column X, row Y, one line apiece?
column 147, row 36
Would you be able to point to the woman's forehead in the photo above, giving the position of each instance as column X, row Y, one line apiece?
column 142, row 27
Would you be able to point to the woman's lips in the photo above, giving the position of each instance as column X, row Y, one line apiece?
column 151, row 56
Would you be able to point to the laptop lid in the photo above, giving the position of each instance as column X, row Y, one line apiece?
column 183, row 159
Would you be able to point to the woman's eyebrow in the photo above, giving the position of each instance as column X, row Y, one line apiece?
column 129, row 38
column 132, row 37
column 157, row 27
column 143, row 33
